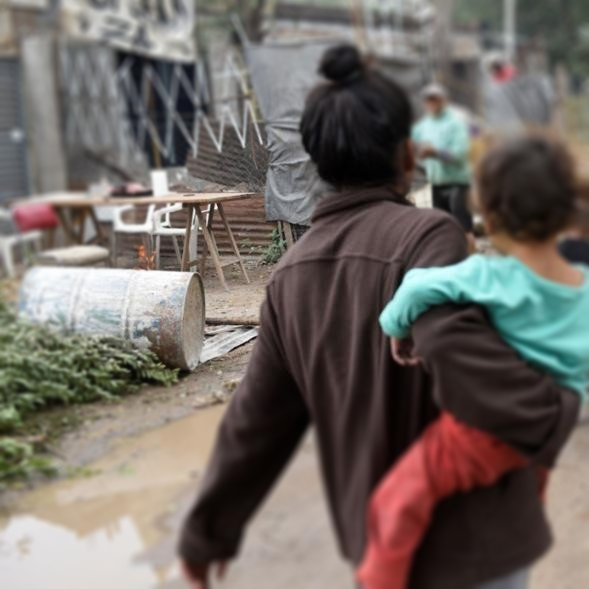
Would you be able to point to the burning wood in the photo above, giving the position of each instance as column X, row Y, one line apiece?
column 145, row 261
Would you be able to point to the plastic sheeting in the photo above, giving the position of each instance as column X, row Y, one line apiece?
column 524, row 101
column 282, row 76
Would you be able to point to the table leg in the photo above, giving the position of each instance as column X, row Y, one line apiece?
column 233, row 242
column 205, row 249
column 66, row 225
column 212, row 245
column 81, row 216
column 100, row 237
column 185, row 266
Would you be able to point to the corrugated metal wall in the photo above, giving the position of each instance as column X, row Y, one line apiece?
column 13, row 155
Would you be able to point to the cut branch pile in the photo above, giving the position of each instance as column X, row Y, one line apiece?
column 42, row 369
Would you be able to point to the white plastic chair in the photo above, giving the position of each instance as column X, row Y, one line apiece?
column 157, row 224
column 121, row 226
column 10, row 238
column 164, row 227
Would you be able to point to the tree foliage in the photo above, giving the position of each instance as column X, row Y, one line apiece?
column 563, row 25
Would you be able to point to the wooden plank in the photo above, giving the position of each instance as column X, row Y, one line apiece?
column 212, row 247
column 81, row 200
column 185, row 265
column 233, row 242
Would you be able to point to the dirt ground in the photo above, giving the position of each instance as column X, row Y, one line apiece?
column 136, row 467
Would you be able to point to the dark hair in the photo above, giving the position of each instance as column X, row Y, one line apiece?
column 353, row 125
column 527, row 188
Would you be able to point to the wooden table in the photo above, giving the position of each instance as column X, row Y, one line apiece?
column 80, row 207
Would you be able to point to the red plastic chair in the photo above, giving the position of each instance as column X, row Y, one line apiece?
column 34, row 217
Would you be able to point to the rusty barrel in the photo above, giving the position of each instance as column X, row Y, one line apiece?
column 165, row 310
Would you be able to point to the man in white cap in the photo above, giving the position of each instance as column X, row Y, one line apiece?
column 442, row 143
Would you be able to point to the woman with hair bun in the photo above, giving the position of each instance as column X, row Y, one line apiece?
column 322, row 361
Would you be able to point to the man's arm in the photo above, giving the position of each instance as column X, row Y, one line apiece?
column 264, row 424
column 455, row 150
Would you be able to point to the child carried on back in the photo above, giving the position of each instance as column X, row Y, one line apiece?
column 537, row 301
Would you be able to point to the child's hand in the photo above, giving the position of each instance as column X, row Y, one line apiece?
column 402, row 350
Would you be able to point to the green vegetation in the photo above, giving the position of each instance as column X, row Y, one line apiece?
column 42, row 369
column 275, row 250
column 563, row 25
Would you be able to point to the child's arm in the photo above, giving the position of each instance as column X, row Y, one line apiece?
column 423, row 289
column 449, row 458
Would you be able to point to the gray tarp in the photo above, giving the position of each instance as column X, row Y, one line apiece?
column 282, row 76
column 525, row 101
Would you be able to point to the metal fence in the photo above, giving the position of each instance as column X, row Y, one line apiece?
column 140, row 113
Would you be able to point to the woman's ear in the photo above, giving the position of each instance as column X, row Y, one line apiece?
column 408, row 157
column 490, row 224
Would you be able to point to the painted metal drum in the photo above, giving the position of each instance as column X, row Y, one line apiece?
column 165, row 310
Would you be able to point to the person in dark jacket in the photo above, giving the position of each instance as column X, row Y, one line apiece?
column 321, row 360
column 575, row 245
column 575, row 249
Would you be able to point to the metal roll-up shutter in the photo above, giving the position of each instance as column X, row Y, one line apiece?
column 13, row 152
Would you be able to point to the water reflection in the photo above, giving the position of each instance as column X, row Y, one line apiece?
column 114, row 529
column 35, row 553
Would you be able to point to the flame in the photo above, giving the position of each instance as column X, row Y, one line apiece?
column 145, row 262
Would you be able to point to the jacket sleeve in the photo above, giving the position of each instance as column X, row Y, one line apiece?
column 263, row 426
column 478, row 378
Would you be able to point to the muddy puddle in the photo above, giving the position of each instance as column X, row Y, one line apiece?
column 116, row 525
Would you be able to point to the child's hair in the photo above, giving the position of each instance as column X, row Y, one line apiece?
column 527, row 188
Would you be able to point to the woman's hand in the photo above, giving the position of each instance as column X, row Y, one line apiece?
column 198, row 575
column 403, row 354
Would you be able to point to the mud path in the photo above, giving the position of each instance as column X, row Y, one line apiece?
column 118, row 527
column 115, row 523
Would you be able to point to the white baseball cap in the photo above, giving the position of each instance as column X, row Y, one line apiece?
column 434, row 91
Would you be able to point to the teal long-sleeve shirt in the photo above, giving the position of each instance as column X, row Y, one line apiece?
column 546, row 322
column 449, row 133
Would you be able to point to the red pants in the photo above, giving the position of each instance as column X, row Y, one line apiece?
column 449, row 458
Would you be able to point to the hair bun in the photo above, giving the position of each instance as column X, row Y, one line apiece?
column 342, row 64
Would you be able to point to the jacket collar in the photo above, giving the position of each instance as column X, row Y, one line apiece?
column 337, row 201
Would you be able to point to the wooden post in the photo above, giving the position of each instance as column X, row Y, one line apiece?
column 286, row 229
column 443, row 41
column 560, row 119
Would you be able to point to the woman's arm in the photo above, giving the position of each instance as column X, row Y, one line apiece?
column 485, row 384
column 477, row 377
column 266, row 406
column 425, row 288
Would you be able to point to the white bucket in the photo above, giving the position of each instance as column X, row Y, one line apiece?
column 159, row 183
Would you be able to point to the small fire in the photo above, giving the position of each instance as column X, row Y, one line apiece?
column 145, row 261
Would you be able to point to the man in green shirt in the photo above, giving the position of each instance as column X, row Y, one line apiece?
column 442, row 143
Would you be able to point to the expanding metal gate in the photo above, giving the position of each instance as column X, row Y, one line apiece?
column 13, row 148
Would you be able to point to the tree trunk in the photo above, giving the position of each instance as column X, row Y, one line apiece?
column 443, row 41
column 252, row 15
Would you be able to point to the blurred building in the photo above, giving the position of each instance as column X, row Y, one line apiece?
column 22, row 156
